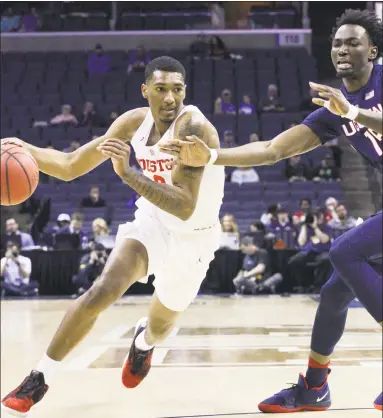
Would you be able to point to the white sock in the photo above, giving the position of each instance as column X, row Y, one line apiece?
column 141, row 344
column 48, row 367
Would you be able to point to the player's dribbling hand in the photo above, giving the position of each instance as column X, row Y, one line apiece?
column 336, row 102
column 119, row 152
column 193, row 152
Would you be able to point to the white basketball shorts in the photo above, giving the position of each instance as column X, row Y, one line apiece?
column 178, row 260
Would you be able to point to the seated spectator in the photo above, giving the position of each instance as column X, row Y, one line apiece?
column 138, row 59
column 283, row 230
column 99, row 228
column 75, row 228
column 62, row 221
column 272, row 103
column 314, row 240
column 230, row 232
column 307, row 104
column 89, row 116
column 228, row 139
column 16, row 271
column 218, row 48
column 331, row 203
column 12, row 232
column 253, row 137
column 300, row 215
column 98, row 61
column 246, row 107
column 223, row 104
column 282, row 222
column 326, row 171
column 296, row 170
column 66, row 116
column 244, row 175
column 271, row 214
column 344, row 221
column 255, row 276
column 91, row 266
column 93, row 200
column 336, row 151
column 199, row 49
column 31, row 21
column 75, row 144
column 10, row 22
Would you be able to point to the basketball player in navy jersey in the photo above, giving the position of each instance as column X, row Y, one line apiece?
column 356, row 112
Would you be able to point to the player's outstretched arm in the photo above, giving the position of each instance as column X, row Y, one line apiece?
column 295, row 141
column 178, row 199
column 68, row 166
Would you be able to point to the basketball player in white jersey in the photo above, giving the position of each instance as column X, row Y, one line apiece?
column 174, row 235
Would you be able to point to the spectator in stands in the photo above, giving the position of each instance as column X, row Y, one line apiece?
column 228, row 139
column 272, row 103
column 75, row 144
column 111, row 118
column 218, row 48
column 65, row 117
column 253, row 137
column 336, row 151
column 31, row 21
column 326, row 171
column 331, row 203
column 91, row 266
column 271, row 215
column 99, row 228
column 10, row 22
column 314, row 241
column 307, row 104
column 199, row 49
column 217, row 13
column 89, row 116
column 62, row 221
column 300, row 215
column 75, row 227
column 246, row 107
column 254, row 276
column 282, row 221
column 223, row 104
column 244, row 175
column 93, row 200
column 296, row 170
column 16, row 271
column 344, row 221
column 98, row 61
column 230, row 232
column 138, row 59
column 283, row 230
column 12, row 231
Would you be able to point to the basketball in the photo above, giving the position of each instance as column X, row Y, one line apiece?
column 19, row 174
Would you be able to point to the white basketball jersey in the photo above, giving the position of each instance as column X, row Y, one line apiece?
column 156, row 166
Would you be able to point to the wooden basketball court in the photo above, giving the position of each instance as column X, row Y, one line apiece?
column 226, row 355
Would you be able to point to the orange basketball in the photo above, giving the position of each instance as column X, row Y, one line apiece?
column 19, row 174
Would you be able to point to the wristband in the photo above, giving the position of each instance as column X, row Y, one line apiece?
column 213, row 157
column 352, row 113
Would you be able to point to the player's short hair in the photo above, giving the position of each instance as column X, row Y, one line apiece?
column 370, row 21
column 164, row 63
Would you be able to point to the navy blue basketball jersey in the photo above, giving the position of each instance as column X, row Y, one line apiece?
column 367, row 142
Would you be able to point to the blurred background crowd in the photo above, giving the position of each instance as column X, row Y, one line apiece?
column 278, row 222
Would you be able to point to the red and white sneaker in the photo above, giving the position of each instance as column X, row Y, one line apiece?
column 138, row 362
column 21, row 400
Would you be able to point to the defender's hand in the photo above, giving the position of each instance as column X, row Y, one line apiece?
column 119, row 152
column 193, row 152
column 336, row 102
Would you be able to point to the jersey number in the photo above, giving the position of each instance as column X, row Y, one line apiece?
column 374, row 137
column 159, row 179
